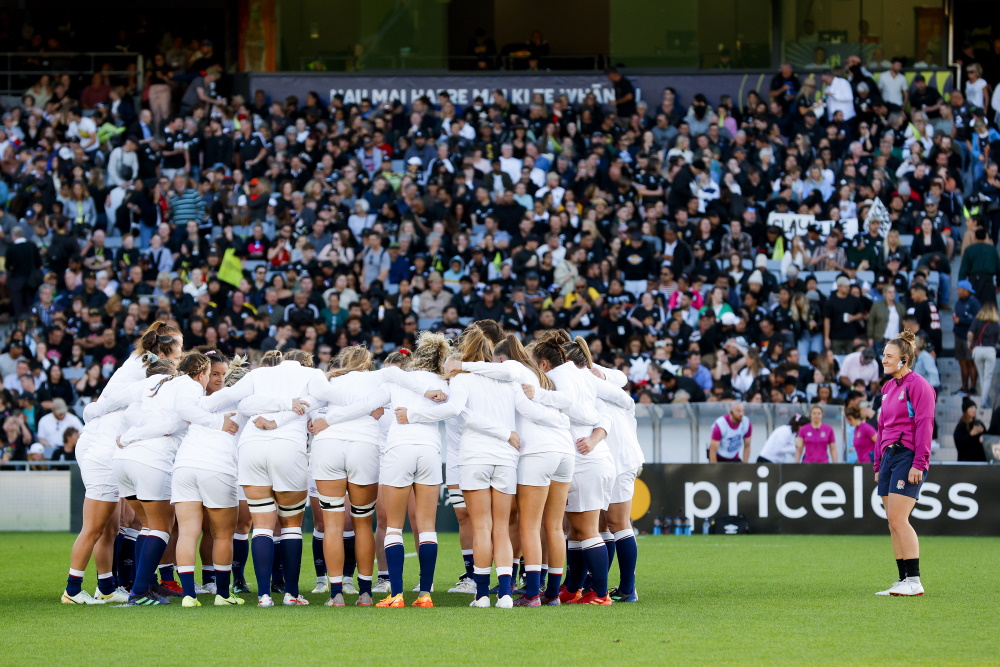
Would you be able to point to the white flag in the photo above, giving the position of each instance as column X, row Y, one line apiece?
column 879, row 212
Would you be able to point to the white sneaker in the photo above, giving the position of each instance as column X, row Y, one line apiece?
column 464, row 586
column 382, row 586
column 908, row 588
column 890, row 590
column 117, row 596
column 506, row 602
column 348, row 586
column 83, row 597
column 211, row 589
column 265, row 601
column 322, row 585
column 481, row 602
column 290, row 601
column 199, row 589
column 416, row 589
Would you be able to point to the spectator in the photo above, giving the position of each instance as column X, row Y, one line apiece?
column 67, row 452
column 966, row 308
column 52, row 426
column 969, row 434
column 860, row 365
column 816, row 442
column 841, row 318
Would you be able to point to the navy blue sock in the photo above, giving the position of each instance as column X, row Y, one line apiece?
column 514, row 571
column 186, row 574
column 364, row 584
column 119, row 539
column 140, row 541
column 166, row 572
column 126, row 562
column 350, row 559
column 609, row 544
column 336, row 586
column 223, row 577
column 207, row 574
column 319, row 561
column 263, row 560
column 504, row 579
column 482, row 578
column 152, row 552
column 277, row 569
column 467, row 560
column 628, row 554
column 291, row 546
column 74, row 582
column 532, row 581
column 554, row 580
column 596, row 556
column 427, row 553
column 576, row 566
column 106, row 583
column 241, row 551
column 394, row 554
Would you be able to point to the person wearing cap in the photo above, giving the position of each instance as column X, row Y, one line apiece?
column 842, row 318
column 52, row 426
column 37, row 453
column 966, row 307
column 859, row 365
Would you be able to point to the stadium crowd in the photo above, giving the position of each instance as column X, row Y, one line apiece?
column 261, row 224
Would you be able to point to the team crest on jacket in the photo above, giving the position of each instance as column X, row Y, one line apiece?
column 902, row 395
column 900, row 484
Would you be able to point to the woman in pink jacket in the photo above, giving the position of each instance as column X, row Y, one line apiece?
column 902, row 456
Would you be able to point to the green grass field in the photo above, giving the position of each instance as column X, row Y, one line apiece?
column 745, row 599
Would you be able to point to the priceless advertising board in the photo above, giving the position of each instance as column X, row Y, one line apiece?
column 816, row 499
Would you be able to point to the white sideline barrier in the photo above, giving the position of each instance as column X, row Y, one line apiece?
column 35, row 500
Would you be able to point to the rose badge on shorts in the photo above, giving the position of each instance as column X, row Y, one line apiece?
column 900, row 484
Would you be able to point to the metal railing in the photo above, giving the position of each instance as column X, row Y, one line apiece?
column 22, row 69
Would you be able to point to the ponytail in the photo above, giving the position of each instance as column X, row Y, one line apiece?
column 399, row 358
column 547, row 349
column 237, row 369
column 578, row 352
column 271, row 358
column 159, row 339
column 511, row 348
column 353, row 358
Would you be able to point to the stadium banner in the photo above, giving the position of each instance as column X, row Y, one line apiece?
column 519, row 87
column 816, row 499
column 797, row 224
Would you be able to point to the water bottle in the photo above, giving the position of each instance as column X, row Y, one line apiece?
column 657, row 526
column 705, row 527
column 687, row 526
column 678, row 525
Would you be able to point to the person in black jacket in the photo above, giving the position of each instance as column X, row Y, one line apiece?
column 969, row 433
column 24, row 271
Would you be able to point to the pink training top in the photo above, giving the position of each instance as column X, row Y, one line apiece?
column 730, row 435
column 864, row 442
column 817, row 442
column 907, row 416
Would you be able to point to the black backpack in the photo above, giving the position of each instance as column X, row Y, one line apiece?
column 730, row 525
